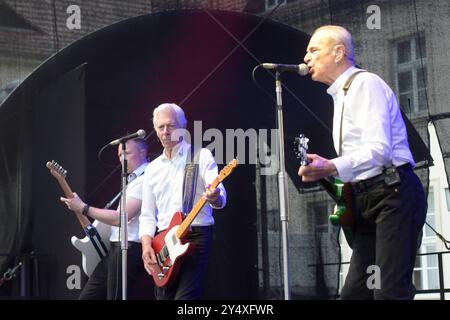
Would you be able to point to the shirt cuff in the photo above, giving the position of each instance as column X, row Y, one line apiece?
column 343, row 167
column 222, row 202
column 148, row 231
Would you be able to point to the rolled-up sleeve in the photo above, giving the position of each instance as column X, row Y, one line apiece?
column 209, row 172
column 147, row 219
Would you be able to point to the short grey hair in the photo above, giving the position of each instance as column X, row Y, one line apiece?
column 179, row 113
column 340, row 35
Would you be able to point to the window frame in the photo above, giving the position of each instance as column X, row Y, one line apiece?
column 415, row 65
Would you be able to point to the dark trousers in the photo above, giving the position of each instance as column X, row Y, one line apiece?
column 388, row 233
column 106, row 280
column 190, row 280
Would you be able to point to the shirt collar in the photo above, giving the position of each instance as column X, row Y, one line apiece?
column 140, row 170
column 337, row 85
column 178, row 150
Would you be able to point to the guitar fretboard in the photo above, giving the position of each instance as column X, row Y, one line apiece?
column 184, row 226
column 69, row 194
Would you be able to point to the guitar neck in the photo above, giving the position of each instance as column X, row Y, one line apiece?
column 84, row 221
column 184, row 226
column 329, row 183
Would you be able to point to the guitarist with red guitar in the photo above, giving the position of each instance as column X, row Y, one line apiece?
column 371, row 140
column 175, row 247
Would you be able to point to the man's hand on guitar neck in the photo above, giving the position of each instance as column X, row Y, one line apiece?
column 148, row 254
column 212, row 195
column 317, row 168
column 74, row 204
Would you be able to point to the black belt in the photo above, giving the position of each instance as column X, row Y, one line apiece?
column 201, row 228
column 118, row 243
column 364, row 185
column 193, row 228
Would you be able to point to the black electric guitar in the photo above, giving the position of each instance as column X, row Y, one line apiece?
column 343, row 214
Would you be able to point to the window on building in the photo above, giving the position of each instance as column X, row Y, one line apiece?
column 426, row 273
column 411, row 75
column 318, row 213
column 447, row 197
column 431, row 215
column 270, row 4
column 273, row 220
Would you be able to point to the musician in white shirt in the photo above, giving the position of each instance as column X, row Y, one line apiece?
column 105, row 281
column 163, row 196
column 369, row 136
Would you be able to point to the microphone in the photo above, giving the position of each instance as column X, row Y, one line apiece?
column 302, row 69
column 138, row 134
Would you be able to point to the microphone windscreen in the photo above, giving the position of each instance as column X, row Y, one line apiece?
column 141, row 133
column 303, row 69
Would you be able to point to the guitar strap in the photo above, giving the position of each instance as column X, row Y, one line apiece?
column 347, row 221
column 190, row 179
column 96, row 241
column 345, row 88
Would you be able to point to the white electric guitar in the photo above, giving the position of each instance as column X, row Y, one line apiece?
column 95, row 245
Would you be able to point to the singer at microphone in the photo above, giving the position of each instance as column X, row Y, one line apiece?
column 302, row 69
column 138, row 134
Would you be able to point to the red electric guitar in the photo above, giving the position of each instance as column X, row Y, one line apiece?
column 169, row 246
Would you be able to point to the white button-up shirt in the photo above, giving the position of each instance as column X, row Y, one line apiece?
column 134, row 190
column 374, row 133
column 163, row 189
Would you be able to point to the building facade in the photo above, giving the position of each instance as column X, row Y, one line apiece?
column 406, row 42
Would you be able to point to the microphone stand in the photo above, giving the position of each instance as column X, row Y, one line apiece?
column 109, row 204
column 282, row 188
column 124, row 222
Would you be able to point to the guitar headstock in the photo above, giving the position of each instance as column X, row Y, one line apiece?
column 301, row 148
column 227, row 170
column 56, row 170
